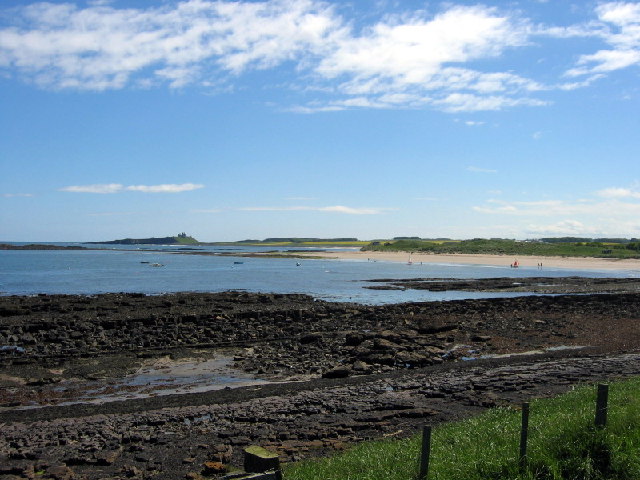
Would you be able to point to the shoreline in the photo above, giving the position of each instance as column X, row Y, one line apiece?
column 525, row 261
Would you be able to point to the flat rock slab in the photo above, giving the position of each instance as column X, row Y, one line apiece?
column 300, row 421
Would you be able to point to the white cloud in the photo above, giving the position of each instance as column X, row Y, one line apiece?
column 468, row 102
column 331, row 209
column 398, row 62
column 414, row 60
column 548, row 208
column 167, row 188
column 413, row 52
column 96, row 188
column 615, row 192
column 117, row 188
column 100, row 47
column 419, row 61
column 12, row 195
column 620, row 29
column 596, row 228
column 609, row 213
column 565, row 227
column 351, row 210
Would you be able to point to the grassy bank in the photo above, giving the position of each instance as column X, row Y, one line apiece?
column 294, row 244
column 563, row 444
column 510, row 247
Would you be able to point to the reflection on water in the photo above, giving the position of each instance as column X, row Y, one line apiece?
column 161, row 376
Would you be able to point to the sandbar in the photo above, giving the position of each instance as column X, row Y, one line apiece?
column 524, row 261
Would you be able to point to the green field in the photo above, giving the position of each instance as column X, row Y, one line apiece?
column 567, row 247
column 563, row 445
column 293, row 243
column 511, row 247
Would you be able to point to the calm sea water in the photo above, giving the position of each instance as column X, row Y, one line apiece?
column 121, row 269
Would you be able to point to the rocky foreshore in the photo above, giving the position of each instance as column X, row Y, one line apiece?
column 361, row 372
column 541, row 285
column 39, row 246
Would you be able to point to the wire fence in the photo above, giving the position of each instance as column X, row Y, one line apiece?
column 600, row 422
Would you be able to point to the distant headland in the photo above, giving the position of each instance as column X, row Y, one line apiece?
column 39, row 246
column 180, row 239
column 184, row 239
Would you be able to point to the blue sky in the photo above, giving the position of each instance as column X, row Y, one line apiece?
column 369, row 119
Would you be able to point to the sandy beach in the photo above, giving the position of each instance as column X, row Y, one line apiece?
column 586, row 263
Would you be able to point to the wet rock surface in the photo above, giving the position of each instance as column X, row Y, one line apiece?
column 363, row 372
column 543, row 285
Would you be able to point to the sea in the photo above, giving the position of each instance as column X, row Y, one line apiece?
column 154, row 270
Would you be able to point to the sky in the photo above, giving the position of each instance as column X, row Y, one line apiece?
column 232, row 120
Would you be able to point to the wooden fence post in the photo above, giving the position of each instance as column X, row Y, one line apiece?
column 601, row 405
column 258, row 460
column 425, row 453
column 524, row 435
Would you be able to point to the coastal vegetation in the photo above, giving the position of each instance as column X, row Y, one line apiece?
column 180, row 239
column 298, row 242
column 497, row 246
column 563, row 444
column 184, row 239
column 39, row 246
column 562, row 247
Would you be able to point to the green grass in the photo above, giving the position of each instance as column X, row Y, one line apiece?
column 509, row 247
column 563, row 445
column 186, row 240
column 319, row 243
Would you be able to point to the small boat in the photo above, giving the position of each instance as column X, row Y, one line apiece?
column 238, row 263
column 156, row 265
column 298, row 264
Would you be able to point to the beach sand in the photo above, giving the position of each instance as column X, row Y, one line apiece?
column 525, row 261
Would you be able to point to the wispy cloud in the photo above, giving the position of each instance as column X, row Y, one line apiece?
column 101, row 47
column 166, row 188
column 619, row 27
column 95, row 188
column 419, row 60
column 441, row 60
column 330, row 209
column 12, row 195
column 612, row 211
column 565, row 227
column 549, row 208
column 534, row 208
column 108, row 188
column 617, row 192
